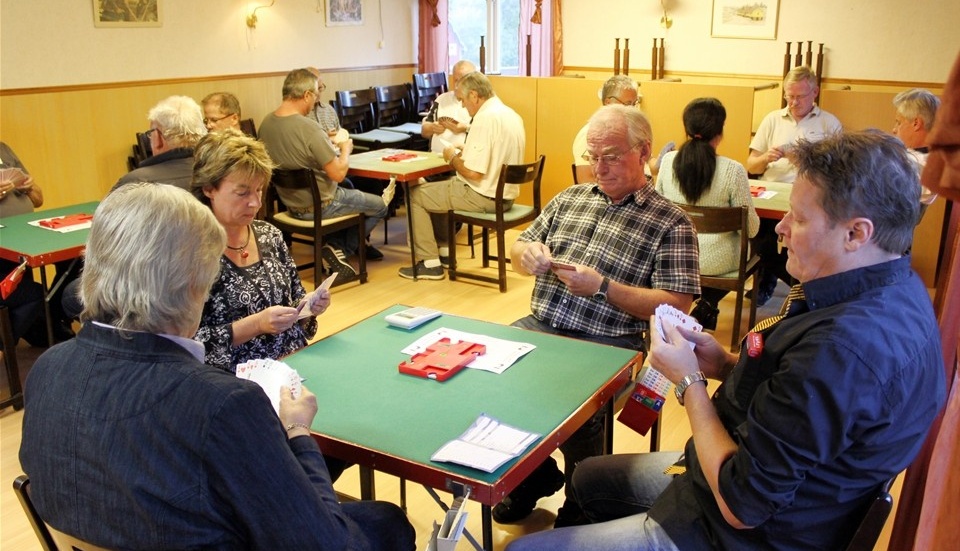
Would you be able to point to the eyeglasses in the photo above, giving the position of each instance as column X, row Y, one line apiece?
column 609, row 160
column 627, row 103
column 322, row 87
column 791, row 99
column 151, row 131
column 212, row 120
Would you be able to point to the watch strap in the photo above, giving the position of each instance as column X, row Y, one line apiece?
column 697, row 377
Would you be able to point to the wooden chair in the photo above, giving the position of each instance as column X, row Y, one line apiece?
column 426, row 88
column 723, row 220
column 394, row 111
column 50, row 538
column 867, row 534
column 357, row 112
column 313, row 230
column 498, row 221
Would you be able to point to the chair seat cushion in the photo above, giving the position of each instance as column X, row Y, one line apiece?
column 285, row 218
column 382, row 136
column 515, row 212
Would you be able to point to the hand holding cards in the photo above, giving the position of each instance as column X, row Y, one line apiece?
column 271, row 375
column 668, row 314
column 303, row 309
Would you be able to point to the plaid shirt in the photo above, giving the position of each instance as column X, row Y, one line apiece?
column 644, row 241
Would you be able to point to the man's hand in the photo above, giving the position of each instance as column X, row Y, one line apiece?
column 300, row 410
column 536, row 259
column 581, row 281
column 346, row 147
column 710, row 356
column 673, row 356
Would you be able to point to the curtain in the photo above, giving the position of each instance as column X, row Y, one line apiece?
column 541, row 38
column 557, row 38
column 432, row 52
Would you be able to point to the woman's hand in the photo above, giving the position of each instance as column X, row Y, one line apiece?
column 276, row 319
column 319, row 302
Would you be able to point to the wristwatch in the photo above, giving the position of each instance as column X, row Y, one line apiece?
column 601, row 293
column 697, row 377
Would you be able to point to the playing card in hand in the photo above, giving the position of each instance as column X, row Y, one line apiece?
column 668, row 314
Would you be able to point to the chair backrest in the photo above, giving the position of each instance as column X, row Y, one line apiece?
column 393, row 104
column 721, row 220
column 867, row 534
column 249, row 128
column 529, row 173
column 357, row 110
column 292, row 180
column 50, row 538
column 426, row 88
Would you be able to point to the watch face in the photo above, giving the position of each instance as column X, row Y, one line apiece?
column 601, row 296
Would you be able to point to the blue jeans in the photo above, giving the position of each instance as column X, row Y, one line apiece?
column 350, row 201
column 614, row 492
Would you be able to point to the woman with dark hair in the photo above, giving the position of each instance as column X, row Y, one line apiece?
column 696, row 175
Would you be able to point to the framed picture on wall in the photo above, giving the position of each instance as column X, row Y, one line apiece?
column 745, row 19
column 344, row 12
column 127, row 13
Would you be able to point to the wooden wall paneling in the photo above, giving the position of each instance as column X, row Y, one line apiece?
column 566, row 105
column 520, row 93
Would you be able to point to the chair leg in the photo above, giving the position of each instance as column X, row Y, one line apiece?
column 10, row 362
column 502, row 261
column 737, row 318
column 485, row 247
column 473, row 252
column 452, row 245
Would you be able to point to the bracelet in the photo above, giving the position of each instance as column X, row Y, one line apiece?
column 685, row 383
column 292, row 426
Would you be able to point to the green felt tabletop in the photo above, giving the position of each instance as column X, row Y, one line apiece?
column 364, row 399
column 18, row 238
column 372, row 165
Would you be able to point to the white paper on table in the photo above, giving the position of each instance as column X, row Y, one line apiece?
column 271, row 375
column 766, row 194
column 500, row 353
column 302, row 310
column 65, row 229
column 486, row 445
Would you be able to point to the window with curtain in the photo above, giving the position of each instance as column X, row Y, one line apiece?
column 504, row 24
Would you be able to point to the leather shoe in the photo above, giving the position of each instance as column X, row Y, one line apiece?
column 546, row 480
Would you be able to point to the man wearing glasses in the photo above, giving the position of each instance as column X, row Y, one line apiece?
column 605, row 255
column 221, row 110
column 176, row 125
column 325, row 114
column 780, row 130
column 778, row 133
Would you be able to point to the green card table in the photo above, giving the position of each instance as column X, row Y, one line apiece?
column 373, row 415
column 19, row 241
column 370, row 164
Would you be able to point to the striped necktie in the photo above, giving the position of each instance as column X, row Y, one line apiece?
column 796, row 302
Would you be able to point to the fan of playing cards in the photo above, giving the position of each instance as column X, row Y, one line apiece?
column 271, row 375
column 669, row 314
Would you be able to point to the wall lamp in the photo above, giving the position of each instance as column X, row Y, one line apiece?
column 252, row 18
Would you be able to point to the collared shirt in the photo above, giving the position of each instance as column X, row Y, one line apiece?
column 644, row 241
column 496, row 138
column 778, row 129
column 193, row 347
column 449, row 106
column 839, row 400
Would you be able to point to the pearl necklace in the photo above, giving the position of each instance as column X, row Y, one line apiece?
column 243, row 248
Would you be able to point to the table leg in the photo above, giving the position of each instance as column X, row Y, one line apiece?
column 367, row 490
column 49, row 292
column 487, row 529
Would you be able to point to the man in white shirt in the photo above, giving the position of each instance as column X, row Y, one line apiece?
column 916, row 110
column 448, row 121
column 497, row 137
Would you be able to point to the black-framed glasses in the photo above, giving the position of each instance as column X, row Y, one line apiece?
column 609, row 160
column 211, row 120
column 150, row 131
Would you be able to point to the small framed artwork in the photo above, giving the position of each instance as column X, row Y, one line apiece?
column 745, row 19
column 344, row 12
column 127, row 13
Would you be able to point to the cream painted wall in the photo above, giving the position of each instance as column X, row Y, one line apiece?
column 54, row 43
column 889, row 40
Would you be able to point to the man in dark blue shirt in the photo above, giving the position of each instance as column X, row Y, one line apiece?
column 819, row 408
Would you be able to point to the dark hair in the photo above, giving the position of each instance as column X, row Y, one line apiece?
column 696, row 159
column 864, row 174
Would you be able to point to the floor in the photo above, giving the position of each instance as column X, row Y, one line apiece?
column 354, row 302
